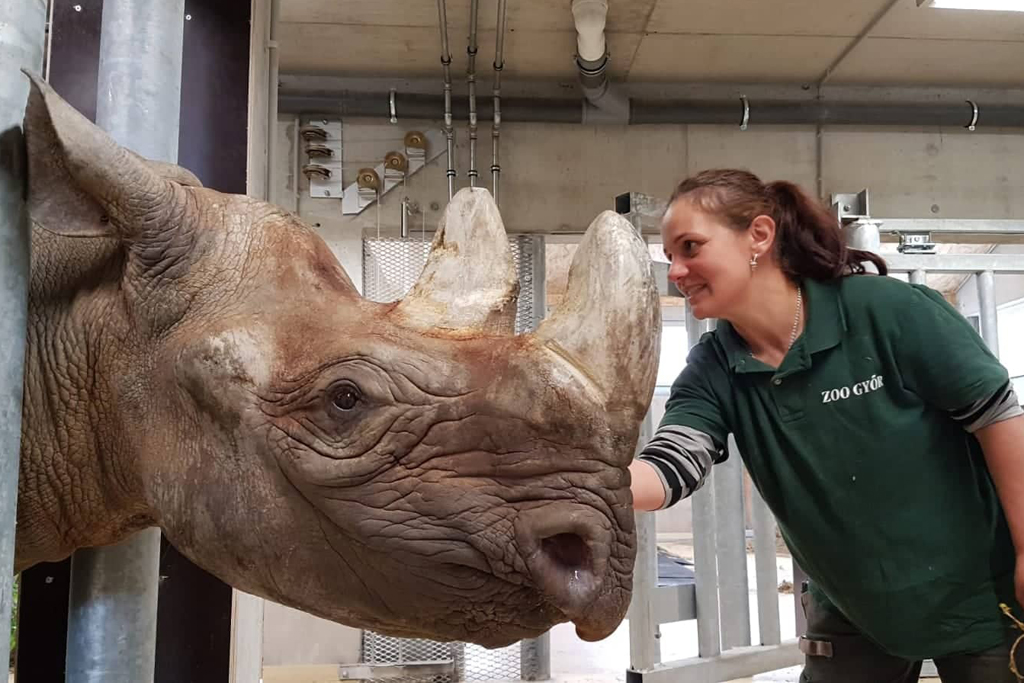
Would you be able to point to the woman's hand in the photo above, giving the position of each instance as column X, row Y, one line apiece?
column 648, row 491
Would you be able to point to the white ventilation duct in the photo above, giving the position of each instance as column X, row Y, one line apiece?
column 605, row 105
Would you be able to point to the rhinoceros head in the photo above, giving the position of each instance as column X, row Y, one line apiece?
column 414, row 468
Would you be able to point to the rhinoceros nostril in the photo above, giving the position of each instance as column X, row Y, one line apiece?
column 569, row 551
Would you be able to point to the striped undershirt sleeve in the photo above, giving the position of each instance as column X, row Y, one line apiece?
column 682, row 457
column 1002, row 405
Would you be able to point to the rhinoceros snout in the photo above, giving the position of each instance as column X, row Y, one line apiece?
column 566, row 548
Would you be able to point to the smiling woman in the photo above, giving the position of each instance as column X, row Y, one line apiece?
column 865, row 409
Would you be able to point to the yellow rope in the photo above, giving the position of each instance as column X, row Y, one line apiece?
column 1017, row 624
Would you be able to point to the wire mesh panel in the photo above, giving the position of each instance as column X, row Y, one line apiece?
column 391, row 267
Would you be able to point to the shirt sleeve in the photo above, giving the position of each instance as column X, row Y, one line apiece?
column 1000, row 406
column 692, row 434
column 941, row 358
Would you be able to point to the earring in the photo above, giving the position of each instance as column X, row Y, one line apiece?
column 753, row 262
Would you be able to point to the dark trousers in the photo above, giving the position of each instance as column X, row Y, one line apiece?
column 836, row 652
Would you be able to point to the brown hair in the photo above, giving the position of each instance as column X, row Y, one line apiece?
column 808, row 239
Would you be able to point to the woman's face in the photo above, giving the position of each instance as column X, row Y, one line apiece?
column 710, row 261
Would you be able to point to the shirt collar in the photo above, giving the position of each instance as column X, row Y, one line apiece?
column 824, row 328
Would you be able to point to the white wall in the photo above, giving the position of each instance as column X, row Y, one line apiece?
column 556, row 178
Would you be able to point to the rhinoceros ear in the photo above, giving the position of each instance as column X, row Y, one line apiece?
column 469, row 282
column 83, row 184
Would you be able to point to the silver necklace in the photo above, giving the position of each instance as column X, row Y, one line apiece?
column 796, row 319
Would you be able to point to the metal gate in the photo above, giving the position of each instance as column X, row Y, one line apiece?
column 391, row 266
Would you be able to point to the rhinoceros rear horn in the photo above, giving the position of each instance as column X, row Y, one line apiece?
column 469, row 283
column 83, row 184
column 609, row 324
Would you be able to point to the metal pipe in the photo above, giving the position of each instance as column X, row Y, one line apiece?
column 474, row 6
column 21, row 47
column 987, row 306
column 644, row 111
column 449, row 133
column 113, row 606
column 918, row 277
column 499, row 64
column 405, row 218
column 433, row 107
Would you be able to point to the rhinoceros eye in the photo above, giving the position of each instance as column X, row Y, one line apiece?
column 345, row 396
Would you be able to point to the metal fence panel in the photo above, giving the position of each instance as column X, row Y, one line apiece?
column 391, row 266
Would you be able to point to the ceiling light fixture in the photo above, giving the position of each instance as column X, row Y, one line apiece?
column 991, row 5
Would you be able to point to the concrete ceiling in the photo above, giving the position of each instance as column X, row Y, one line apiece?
column 666, row 41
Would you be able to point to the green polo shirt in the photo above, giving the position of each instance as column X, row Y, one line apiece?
column 884, row 500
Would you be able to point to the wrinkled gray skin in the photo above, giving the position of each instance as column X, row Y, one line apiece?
column 201, row 362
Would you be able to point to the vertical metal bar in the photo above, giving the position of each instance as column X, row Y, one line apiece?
column 644, row 632
column 765, row 561
column 272, row 87
column 21, row 46
column 987, row 305
column 535, row 653
column 245, row 661
column 733, row 588
column 535, row 658
column 705, row 543
column 540, row 289
column 113, row 606
column 799, row 578
column 918, row 277
column 865, row 236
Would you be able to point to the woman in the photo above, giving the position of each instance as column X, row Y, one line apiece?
column 883, row 434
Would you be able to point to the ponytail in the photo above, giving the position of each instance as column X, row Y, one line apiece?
column 808, row 239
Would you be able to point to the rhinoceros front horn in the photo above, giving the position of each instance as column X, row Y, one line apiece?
column 609, row 324
column 469, row 283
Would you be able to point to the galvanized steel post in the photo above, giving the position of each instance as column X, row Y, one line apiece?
column 644, row 629
column 535, row 653
column 733, row 588
column 113, row 606
column 22, row 25
column 765, row 551
column 705, row 540
column 864, row 235
column 987, row 307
